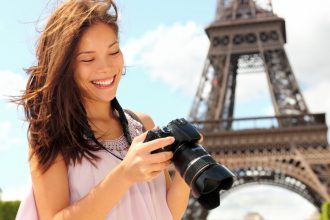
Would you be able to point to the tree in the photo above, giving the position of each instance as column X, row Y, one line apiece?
column 8, row 209
column 325, row 213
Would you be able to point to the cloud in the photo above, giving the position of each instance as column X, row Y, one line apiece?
column 317, row 99
column 172, row 54
column 16, row 193
column 175, row 54
column 251, row 86
column 308, row 31
column 7, row 140
column 315, row 96
column 11, row 84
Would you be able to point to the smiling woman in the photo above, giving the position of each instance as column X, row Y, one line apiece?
column 88, row 159
column 98, row 64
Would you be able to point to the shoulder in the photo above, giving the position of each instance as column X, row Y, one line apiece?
column 35, row 167
column 57, row 167
column 49, row 202
column 146, row 120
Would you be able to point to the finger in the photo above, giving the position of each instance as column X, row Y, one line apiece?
column 140, row 138
column 201, row 139
column 156, row 167
column 159, row 157
column 157, row 143
column 153, row 175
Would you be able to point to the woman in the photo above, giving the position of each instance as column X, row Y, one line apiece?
column 87, row 156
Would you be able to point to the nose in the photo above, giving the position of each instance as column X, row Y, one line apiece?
column 104, row 65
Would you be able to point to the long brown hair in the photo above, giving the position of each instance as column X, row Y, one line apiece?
column 52, row 102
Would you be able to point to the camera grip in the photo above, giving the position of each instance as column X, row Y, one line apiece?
column 152, row 135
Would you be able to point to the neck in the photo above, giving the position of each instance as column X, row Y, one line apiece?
column 97, row 110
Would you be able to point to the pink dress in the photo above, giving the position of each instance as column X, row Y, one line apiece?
column 143, row 200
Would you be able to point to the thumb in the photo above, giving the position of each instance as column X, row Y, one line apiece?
column 140, row 138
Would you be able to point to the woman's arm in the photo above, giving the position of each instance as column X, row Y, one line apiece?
column 177, row 190
column 177, row 196
column 51, row 192
column 51, row 189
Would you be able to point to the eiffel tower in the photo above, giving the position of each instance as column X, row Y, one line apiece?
column 288, row 150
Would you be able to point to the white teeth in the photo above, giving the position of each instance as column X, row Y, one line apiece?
column 104, row 82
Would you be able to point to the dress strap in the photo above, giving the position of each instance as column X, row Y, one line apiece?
column 135, row 117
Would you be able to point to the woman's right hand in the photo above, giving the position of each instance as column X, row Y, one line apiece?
column 140, row 165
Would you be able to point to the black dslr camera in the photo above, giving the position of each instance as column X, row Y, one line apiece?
column 200, row 171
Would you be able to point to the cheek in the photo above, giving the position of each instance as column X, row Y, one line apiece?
column 119, row 61
column 80, row 73
column 80, row 77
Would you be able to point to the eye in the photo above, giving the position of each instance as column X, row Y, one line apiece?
column 117, row 52
column 87, row 61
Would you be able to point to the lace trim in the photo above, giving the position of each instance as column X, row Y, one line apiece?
column 117, row 146
column 120, row 146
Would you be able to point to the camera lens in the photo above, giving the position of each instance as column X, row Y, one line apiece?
column 201, row 172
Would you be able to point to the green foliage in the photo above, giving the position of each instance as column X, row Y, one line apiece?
column 8, row 209
column 325, row 213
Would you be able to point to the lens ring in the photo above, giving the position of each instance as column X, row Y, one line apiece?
column 197, row 174
column 199, row 164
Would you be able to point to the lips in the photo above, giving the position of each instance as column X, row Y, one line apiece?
column 104, row 83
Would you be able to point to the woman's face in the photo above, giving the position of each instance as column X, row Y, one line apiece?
column 98, row 63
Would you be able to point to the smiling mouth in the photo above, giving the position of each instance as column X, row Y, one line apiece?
column 104, row 83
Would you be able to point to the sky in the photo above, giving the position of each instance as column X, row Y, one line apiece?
column 165, row 46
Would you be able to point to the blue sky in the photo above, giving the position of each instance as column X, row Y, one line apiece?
column 165, row 47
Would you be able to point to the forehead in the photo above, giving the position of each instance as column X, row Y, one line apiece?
column 97, row 35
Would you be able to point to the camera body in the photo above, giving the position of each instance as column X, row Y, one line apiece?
column 200, row 171
column 180, row 129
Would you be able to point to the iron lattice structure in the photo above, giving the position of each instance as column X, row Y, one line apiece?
column 289, row 149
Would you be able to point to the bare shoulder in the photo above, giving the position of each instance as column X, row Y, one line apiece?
column 58, row 163
column 146, row 120
column 50, row 188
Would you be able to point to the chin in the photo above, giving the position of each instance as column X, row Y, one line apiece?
column 107, row 99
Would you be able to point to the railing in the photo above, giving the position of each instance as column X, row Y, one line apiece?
column 267, row 122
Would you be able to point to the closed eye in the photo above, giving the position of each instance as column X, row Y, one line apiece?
column 87, row 61
column 117, row 52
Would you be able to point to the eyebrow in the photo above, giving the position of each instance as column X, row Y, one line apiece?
column 90, row 51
